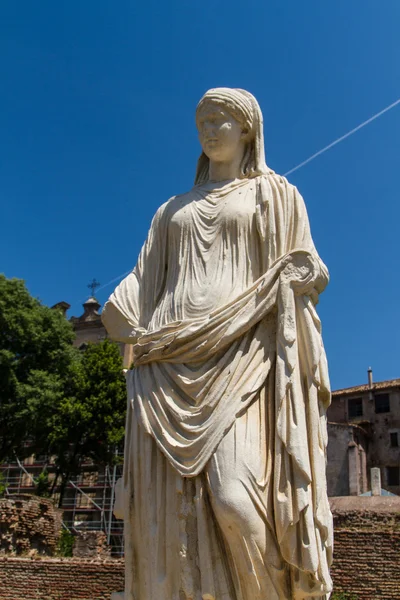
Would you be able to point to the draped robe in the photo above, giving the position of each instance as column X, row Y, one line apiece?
column 227, row 349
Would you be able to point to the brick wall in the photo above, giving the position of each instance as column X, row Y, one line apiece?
column 367, row 564
column 28, row 525
column 367, row 547
column 91, row 544
column 59, row 579
column 367, row 561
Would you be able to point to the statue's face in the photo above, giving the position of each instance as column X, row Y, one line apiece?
column 220, row 134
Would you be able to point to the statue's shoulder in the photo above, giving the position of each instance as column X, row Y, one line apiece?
column 279, row 180
column 286, row 191
column 177, row 201
column 184, row 197
column 163, row 209
column 166, row 210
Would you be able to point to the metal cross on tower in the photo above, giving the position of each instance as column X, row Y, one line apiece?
column 93, row 285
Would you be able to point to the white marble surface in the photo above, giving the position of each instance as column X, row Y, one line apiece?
column 224, row 490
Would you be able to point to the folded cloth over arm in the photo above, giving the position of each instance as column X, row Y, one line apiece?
column 194, row 376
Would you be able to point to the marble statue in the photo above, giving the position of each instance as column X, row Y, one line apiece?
column 224, row 490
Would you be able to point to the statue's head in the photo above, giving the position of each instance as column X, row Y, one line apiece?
column 229, row 120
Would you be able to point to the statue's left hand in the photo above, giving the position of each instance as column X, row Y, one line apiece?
column 302, row 273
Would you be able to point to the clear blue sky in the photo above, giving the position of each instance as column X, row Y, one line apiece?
column 97, row 130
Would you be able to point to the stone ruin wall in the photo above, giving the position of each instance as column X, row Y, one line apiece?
column 367, row 547
column 366, row 561
column 29, row 525
column 59, row 579
column 91, row 544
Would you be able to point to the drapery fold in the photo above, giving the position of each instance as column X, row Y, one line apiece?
column 193, row 377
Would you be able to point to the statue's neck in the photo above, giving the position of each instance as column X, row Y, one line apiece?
column 222, row 171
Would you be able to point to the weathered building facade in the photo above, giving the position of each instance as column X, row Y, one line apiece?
column 364, row 432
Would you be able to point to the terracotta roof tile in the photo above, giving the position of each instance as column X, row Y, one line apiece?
column 378, row 385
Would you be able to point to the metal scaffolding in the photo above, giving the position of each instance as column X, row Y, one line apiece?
column 88, row 500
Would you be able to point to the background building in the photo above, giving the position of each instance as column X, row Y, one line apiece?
column 364, row 432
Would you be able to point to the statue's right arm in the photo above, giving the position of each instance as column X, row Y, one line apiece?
column 121, row 314
column 128, row 311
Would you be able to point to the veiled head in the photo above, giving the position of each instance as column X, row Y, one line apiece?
column 228, row 119
column 221, row 135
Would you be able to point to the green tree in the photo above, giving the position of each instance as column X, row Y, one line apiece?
column 90, row 423
column 3, row 487
column 42, row 484
column 65, row 545
column 65, row 403
column 36, row 358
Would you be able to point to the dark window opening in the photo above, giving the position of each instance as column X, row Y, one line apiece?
column 394, row 439
column 355, row 408
column 382, row 403
column 393, row 476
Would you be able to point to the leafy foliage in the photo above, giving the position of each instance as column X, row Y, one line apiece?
column 42, row 485
column 35, row 358
column 90, row 423
column 68, row 404
column 3, row 486
column 65, row 543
